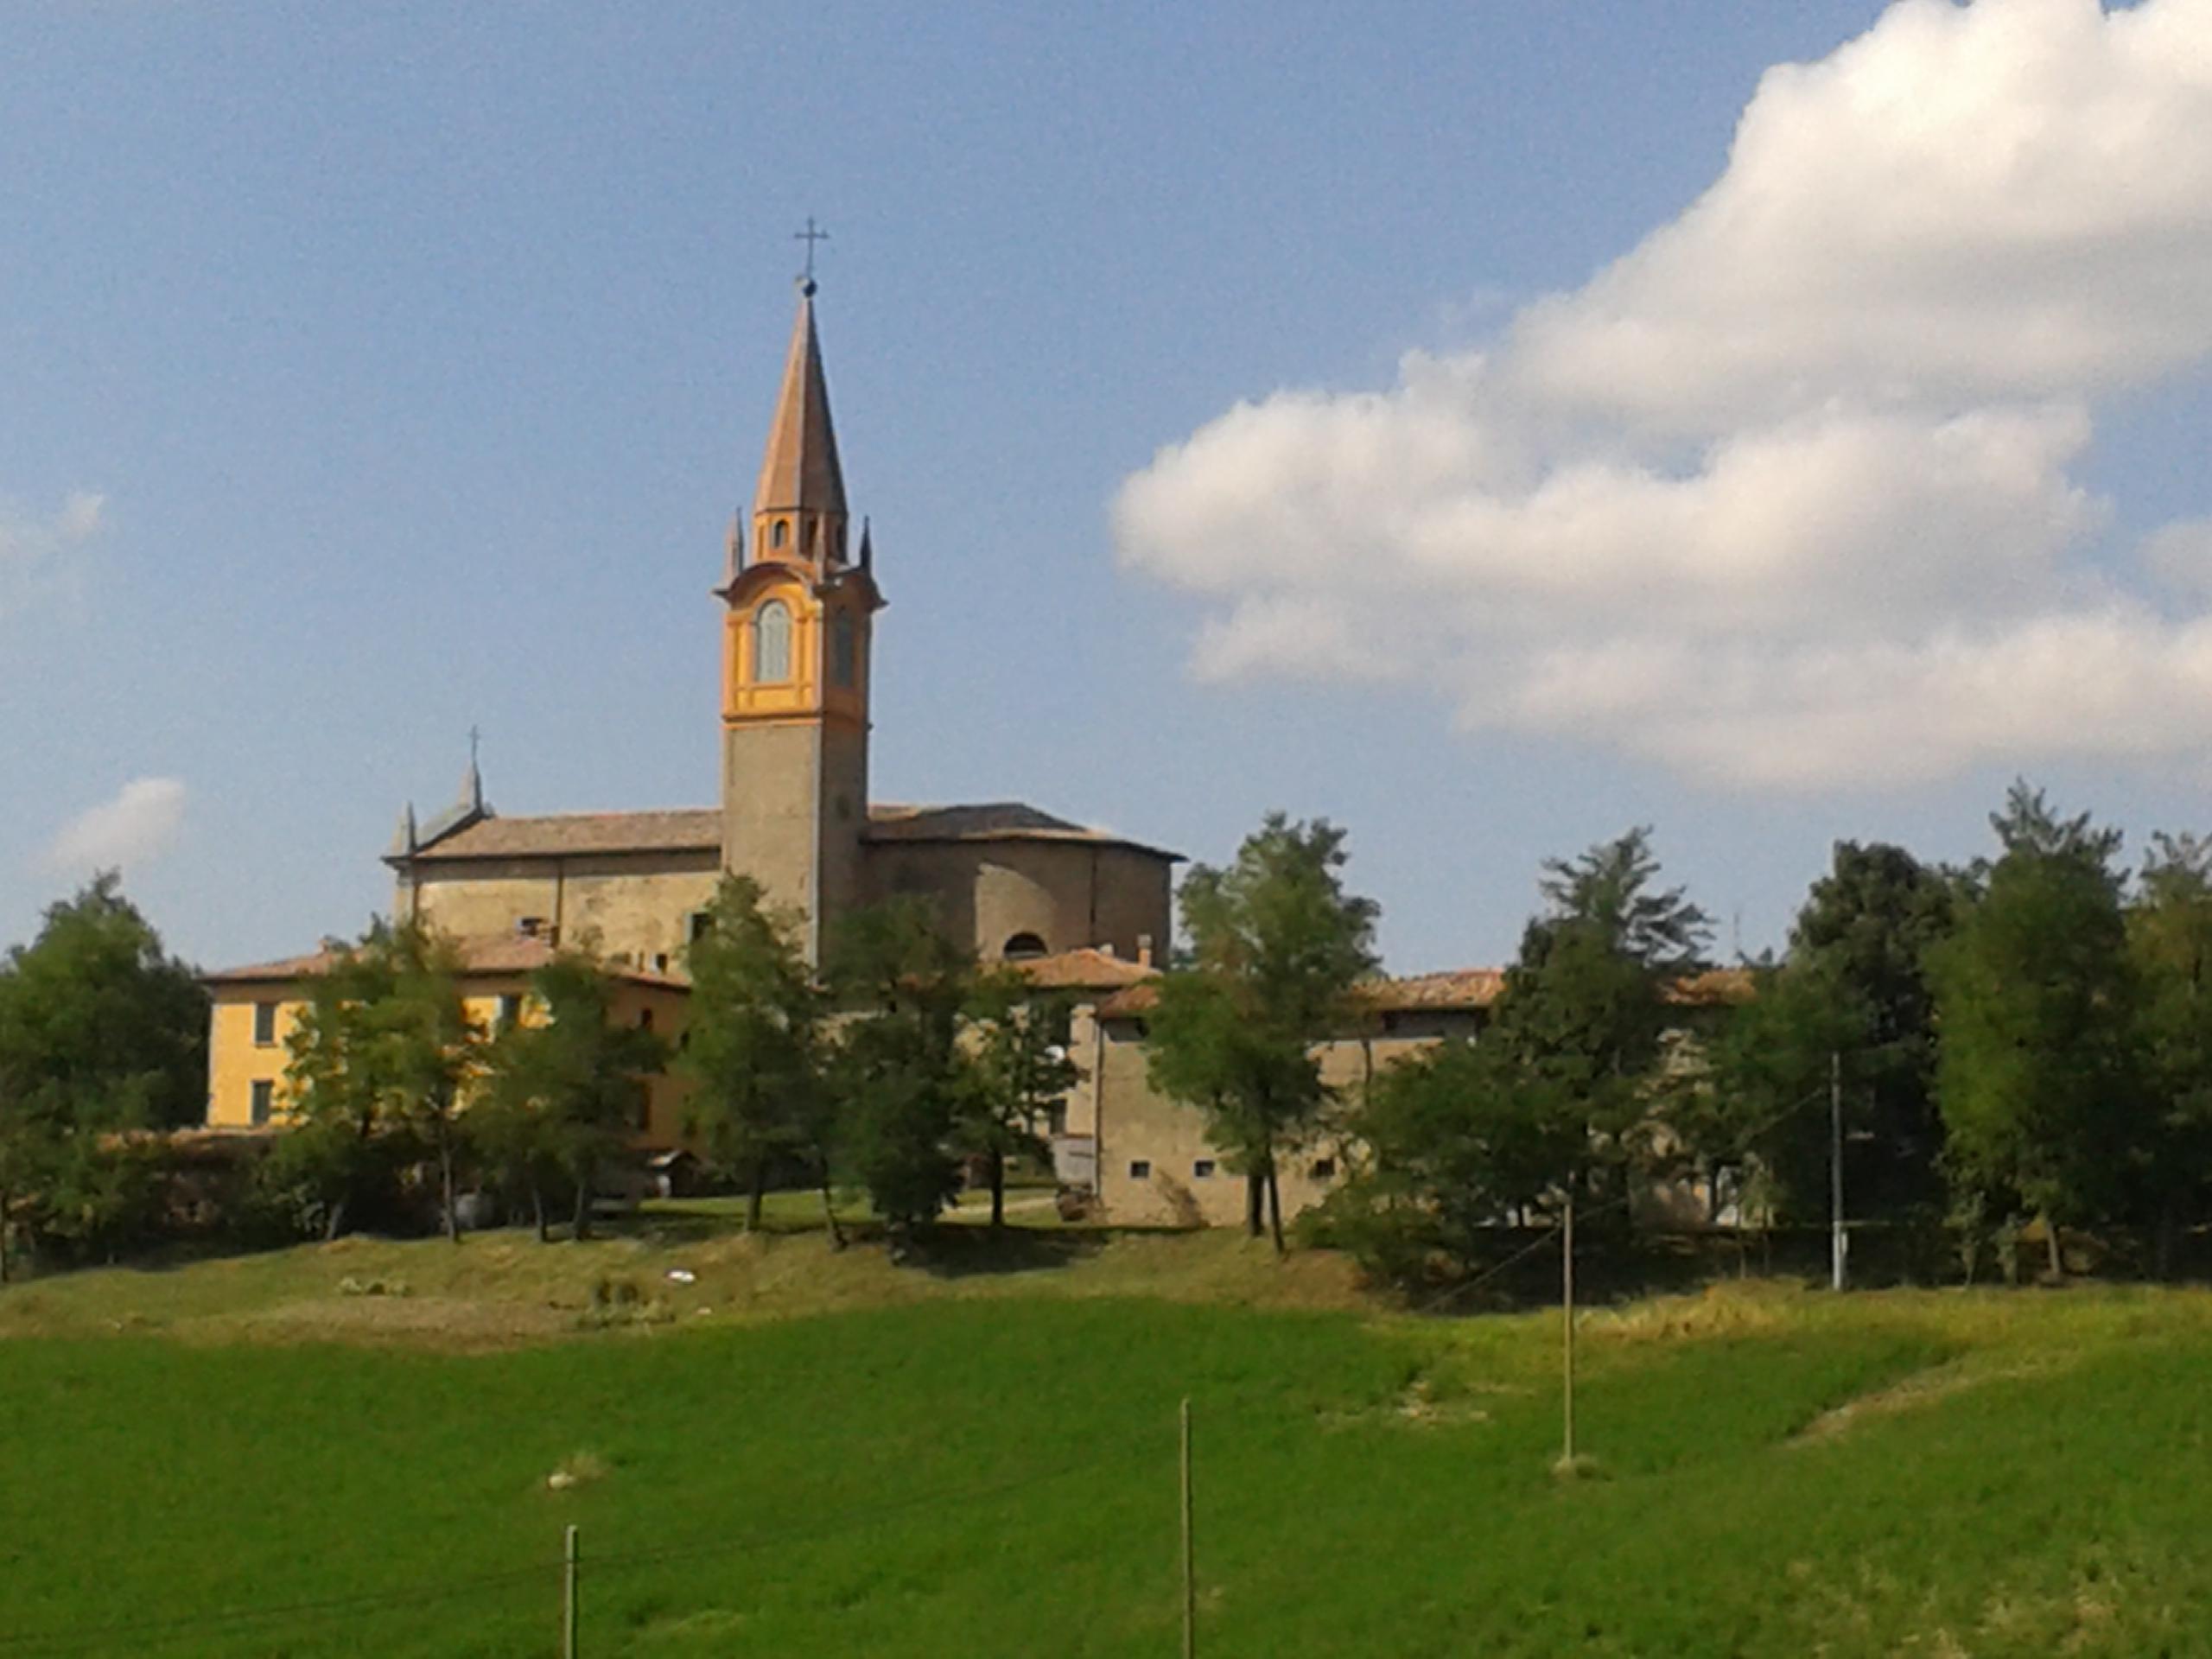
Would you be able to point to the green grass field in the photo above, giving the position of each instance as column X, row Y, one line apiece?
column 839, row 1457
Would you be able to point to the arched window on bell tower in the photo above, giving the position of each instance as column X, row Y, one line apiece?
column 772, row 643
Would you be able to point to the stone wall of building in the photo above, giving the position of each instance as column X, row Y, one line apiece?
column 630, row 907
column 1066, row 894
column 1155, row 1163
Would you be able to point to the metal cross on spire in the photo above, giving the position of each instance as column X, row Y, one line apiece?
column 475, row 741
column 809, row 236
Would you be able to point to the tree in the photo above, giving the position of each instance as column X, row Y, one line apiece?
column 1562, row 1088
column 101, row 1032
column 1853, row 988
column 1016, row 1067
column 1275, row 945
column 897, row 1066
column 1589, row 1000
column 755, row 1047
column 376, row 1067
column 1457, row 1141
column 95, row 1010
column 2170, row 941
column 2037, row 1070
column 573, row 1076
column 339, row 1146
column 428, row 1050
column 379, row 1060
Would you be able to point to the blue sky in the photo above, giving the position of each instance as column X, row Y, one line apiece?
column 375, row 372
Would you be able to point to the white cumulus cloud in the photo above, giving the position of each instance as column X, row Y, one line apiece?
column 1788, row 494
column 131, row 830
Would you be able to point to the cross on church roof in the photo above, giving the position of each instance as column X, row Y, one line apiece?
column 809, row 236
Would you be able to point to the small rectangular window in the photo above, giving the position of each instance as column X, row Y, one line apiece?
column 530, row 926
column 1140, row 1168
column 265, row 1098
column 699, row 926
column 264, row 1024
column 1325, row 1169
column 510, row 1009
column 1202, row 1168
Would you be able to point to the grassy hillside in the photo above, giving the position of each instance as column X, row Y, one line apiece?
column 984, row 1464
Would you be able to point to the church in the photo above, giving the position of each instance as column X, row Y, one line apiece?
column 797, row 607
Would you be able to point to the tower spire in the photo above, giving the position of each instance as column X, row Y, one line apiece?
column 799, row 473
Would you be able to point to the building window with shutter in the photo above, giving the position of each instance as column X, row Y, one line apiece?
column 264, row 1025
column 264, row 1099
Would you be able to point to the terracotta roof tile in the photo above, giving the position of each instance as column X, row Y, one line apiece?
column 678, row 831
column 1461, row 989
column 1085, row 969
column 482, row 957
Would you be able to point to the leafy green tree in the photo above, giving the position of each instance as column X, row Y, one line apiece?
column 510, row 1132
column 339, row 1155
column 378, row 1061
column 1589, row 1002
column 2036, row 995
column 94, row 1011
column 1559, row 1093
column 2169, row 939
column 101, row 1032
column 1457, row 1140
column 1016, row 1066
column 1768, row 1067
column 1275, row 946
column 428, row 1050
column 574, row 1077
column 897, row 1068
column 756, row 1047
column 1852, row 988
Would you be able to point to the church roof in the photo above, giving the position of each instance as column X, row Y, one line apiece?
column 691, row 829
column 485, row 957
column 800, row 470
column 991, row 821
column 683, row 830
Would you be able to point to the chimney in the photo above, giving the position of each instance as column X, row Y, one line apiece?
column 1105, row 949
column 1144, row 949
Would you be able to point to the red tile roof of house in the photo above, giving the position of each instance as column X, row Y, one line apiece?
column 1085, row 968
column 1462, row 988
column 484, row 956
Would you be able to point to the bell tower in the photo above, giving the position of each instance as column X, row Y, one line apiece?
column 799, row 614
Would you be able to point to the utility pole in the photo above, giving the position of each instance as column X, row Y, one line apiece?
column 1838, row 1244
column 1190, row 1559
column 1567, row 1335
column 568, row 1594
